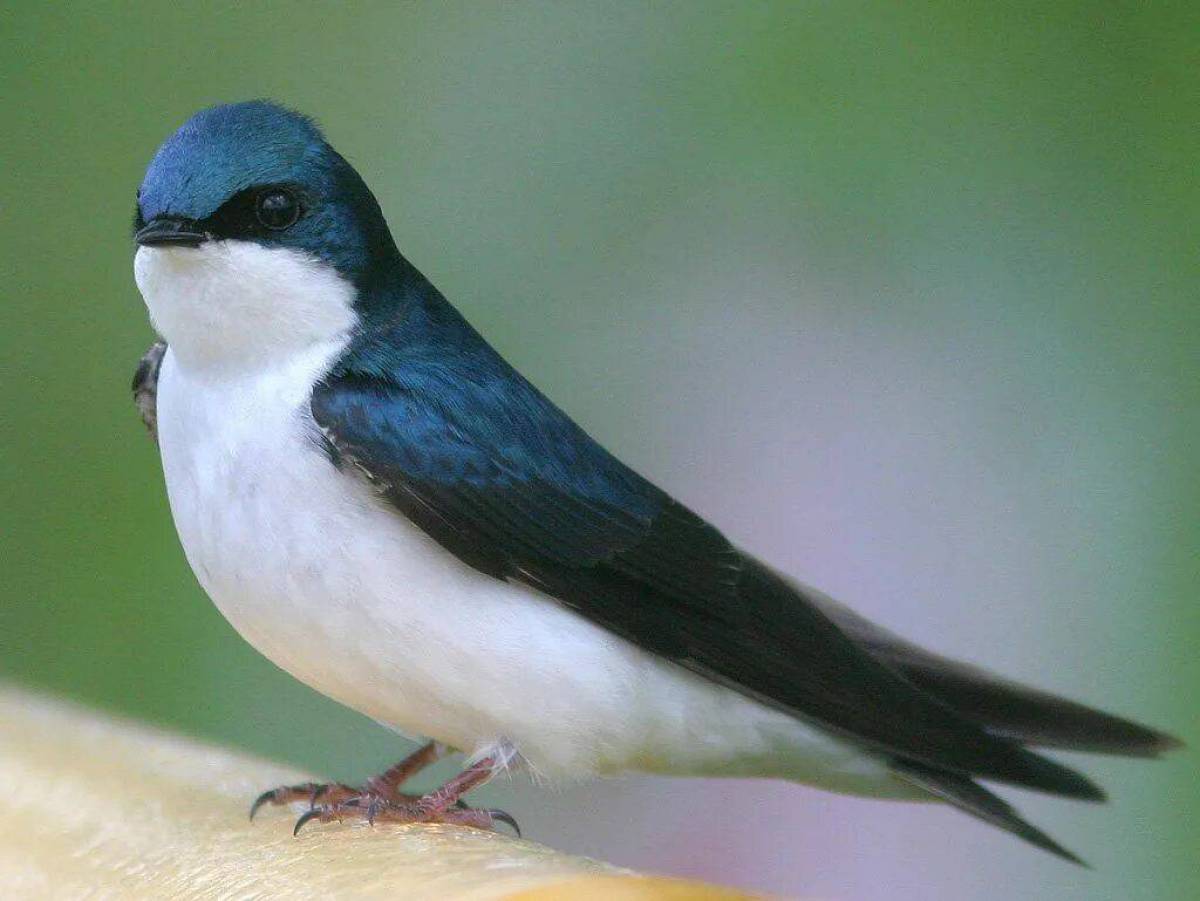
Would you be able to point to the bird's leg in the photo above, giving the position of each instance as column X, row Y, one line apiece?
column 442, row 805
column 384, row 787
column 388, row 783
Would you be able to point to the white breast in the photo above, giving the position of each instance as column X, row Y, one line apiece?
column 347, row 595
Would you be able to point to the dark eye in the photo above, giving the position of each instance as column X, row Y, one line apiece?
column 277, row 208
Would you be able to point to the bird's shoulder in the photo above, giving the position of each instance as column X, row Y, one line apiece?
column 440, row 422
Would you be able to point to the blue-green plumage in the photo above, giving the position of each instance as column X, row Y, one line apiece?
column 208, row 173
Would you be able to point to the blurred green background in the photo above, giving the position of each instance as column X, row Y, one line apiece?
column 903, row 295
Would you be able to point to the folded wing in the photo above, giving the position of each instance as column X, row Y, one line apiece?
column 485, row 464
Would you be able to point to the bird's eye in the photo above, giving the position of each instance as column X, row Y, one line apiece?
column 277, row 209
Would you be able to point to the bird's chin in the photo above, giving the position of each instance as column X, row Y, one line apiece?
column 233, row 302
column 170, row 279
column 154, row 263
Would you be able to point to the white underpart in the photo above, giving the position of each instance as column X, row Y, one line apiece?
column 236, row 305
column 348, row 596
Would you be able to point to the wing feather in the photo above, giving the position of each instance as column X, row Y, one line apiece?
column 486, row 465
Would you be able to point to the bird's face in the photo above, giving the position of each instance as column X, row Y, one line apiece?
column 253, row 236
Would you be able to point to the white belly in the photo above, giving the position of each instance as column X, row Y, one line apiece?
column 349, row 597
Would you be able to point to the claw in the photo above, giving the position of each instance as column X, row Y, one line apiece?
column 260, row 801
column 311, row 814
column 505, row 818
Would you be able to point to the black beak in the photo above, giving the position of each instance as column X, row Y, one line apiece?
column 164, row 232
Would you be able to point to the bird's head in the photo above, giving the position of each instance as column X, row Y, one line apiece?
column 253, row 232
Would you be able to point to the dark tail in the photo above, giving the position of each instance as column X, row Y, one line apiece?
column 976, row 800
column 1025, row 716
column 1028, row 716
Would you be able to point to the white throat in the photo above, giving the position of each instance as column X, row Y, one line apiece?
column 236, row 305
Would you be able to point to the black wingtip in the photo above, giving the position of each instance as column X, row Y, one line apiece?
column 1046, row 775
column 1164, row 743
column 1093, row 732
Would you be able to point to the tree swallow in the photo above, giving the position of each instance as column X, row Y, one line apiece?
column 386, row 509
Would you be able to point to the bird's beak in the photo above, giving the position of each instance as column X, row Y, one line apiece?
column 170, row 232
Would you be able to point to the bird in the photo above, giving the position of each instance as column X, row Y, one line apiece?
column 386, row 509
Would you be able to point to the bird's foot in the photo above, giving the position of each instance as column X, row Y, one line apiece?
column 375, row 809
column 381, row 800
column 384, row 787
column 310, row 793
